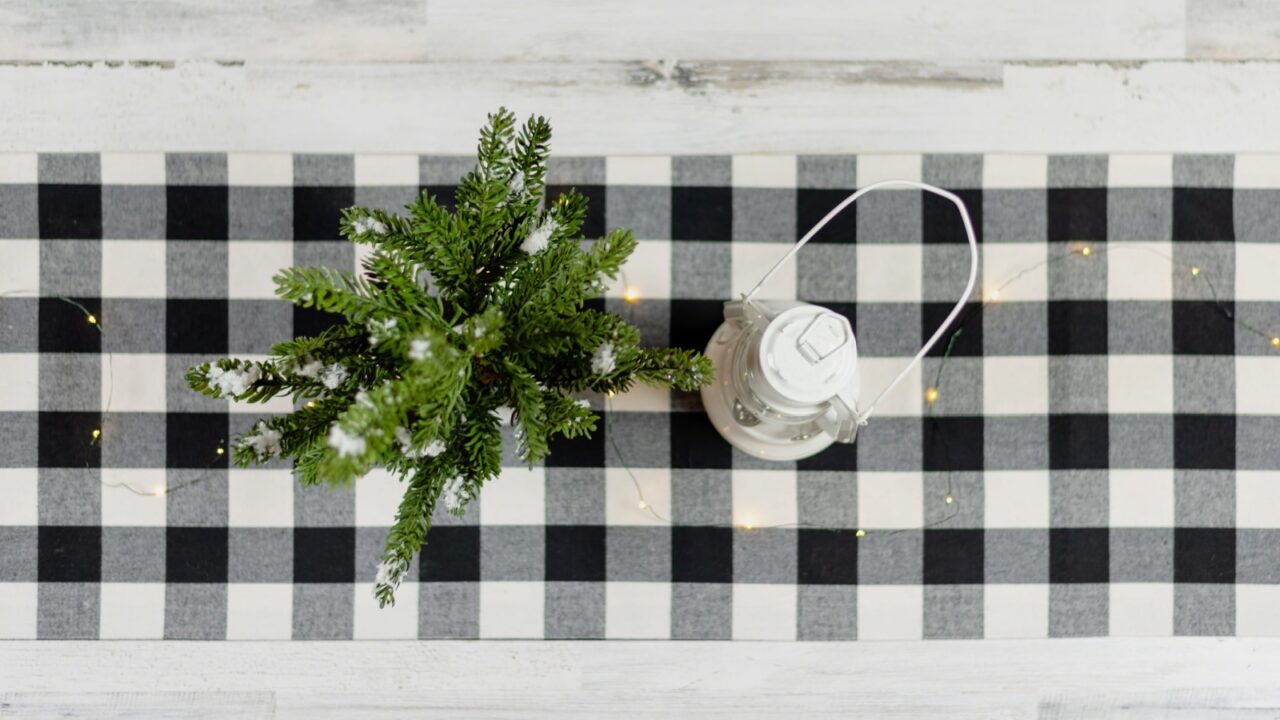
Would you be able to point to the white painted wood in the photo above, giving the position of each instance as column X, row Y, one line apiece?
column 633, row 108
column 233, row 30
column 1233, row 29
column 813, row 30
column 1087, row 678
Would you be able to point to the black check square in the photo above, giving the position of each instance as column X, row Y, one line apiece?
column 593, row 225
column 1203, row 328
column 452, row 554
column 967, row 342
column 701, row 554
column 196, row 554
column 694, row 322
column 324, row 555
column 69, row 553
column 840, row 457
column 196, row 212
column 579, row 451
column 66, row 439
column 317, row 211
column 702, row 213
column 942, row 222
column 446, row 195
column 1079, row 442
column 1079, row 555
column 1077, row 214
column 70, row 212
column 1078, row 327
column 696, row 444
column 953, row 557
column 1204, row 555
column 1204, row 442
column 826, row 557
column 310, row 322
column 813, row 204
column 195, row 326
column 1204, row 214
column 575, row 553
column 192, row 440
column 65, row 327
column 953, row 443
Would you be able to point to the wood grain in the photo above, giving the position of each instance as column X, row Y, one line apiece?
column 1088, row 678
column 1233, row 29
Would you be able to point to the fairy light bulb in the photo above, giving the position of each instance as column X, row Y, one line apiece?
column 1275, row 342
column 950, row 500
column 993, row 295
column 931, row 395
column 220, row 450
column 158, row 491
column 92, row 319
column 96, row 433
column 311, row 403
column 749, row 524
column 631, row 295
column 1086, row 251
column 1195, row 269
column 860, row 533
column 642, row 505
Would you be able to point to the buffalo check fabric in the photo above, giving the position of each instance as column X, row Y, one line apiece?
column 1108, row 437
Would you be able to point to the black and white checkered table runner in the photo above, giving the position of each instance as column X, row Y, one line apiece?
column 1109, row 438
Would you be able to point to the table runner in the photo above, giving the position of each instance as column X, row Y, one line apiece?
column 1101, row 457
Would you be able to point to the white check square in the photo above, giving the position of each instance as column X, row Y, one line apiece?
column 752, row 260
column 1256, row 614
column 874, row 168
column 889, row 273
column 1015, row 611
column 133, row 168
column 260, row 611
column 260, row 169
column 638, row 170
column 637, row 610
column 890, row 500
column 386, row 170
column 20, row 267
column 1141, row 498
column 1141, row 610
column 646, row 274
column 512, row 610
column 251, row 265
column 258, row 497
column 133, row 269
column 1256, row 392
column 133, row 382
column 516, row 497
column 623, row 502
column 642, row 398
column 764, row 497
column 1257, row 271
column 1016, row 498
column 134, row 497
column 19, row 169
column 18, row 487
column 1015, row 385
column 393, row 622
column 131, row 611
column 1257, row 170
column 890, row 612
column 764, row 612
column 1139, row 271
column 18, row 606
column 19, row 391
column 1140, row 384
column 1258, row 499
column 378, row 496
column 1005, row 273
column 1144, row 171
column 1015, row 171
column 764, row 171
column 905, row 400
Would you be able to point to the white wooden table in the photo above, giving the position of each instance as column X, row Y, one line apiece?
column 644, row 77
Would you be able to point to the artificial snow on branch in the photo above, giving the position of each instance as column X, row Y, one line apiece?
column 455, row 315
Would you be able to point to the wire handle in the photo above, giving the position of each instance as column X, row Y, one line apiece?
column 955, row 311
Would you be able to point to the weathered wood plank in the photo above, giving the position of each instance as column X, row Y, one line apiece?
column 1233, row 29
column 138, row 704
column 638, row 108
column 235, row 30
column 920, row 30
column 1086, row 678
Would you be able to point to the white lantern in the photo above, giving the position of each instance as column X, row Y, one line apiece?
column 787, row 383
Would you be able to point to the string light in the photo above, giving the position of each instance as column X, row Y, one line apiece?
column 1275, row 341
column 92, row 320
column 993, row 295
column 748, row 524
column 931, row 395
column 860, row 533
column 96, row 433
column 631, row 295
column 1086, row 251
column 220, row 450
column 1195, row 269
column 950, row 499
column 158, row 491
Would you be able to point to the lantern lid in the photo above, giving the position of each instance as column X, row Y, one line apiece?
column 808, row 354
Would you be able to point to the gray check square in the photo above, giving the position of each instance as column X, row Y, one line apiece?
column 448, row 610
column 195, row 169
column 652, row 317
column 642, row 438
column 323, row 611
column 196, row 269
column 645, row 210
column 953, row 611
column 826, row 612
column 701, row 270
column 133, row 440
column 827, row 273
column 827, row 498
column 1015, row 443
column 134, row 212
column 766, row 555
column 638, row 554
column 512, row 552
column 890, row 443
column 1016, row 556
column 1079, row 498
column 1204, row 384
column 1139, row 327
column 19, row 318
column 71, row 267
column 705, row 170
column 575, row 496
column 1217, row 263
column 890, row 217
column 1203, row 171
column 893, row 557
column 1257, row 215
column 444, row 169
column 1139, row 215
column 370, row 542
column 701, row 611
column 1256, row 558
column 764, row 215
column 133, row 554
column 259, row 213
column 827, row 172
column 966, row 490
column 574, row 610
column 179, row 397
column 1256, row 446
column 1014, row 329
column 1014, row 216
column 69, row 168
column 325, row 253
column 18, row 562
column 1077, row 171
column 1078, row 610
column 19, row 212
column 392, row 199
column 944, row 268
column 1203, row 609
column 1078, row 384
column 1204, row 498
column 134, row 325
column 885, row 329
column 322, row 170
column 254, row 326
column 323, row 506
column 1257, row 314
column 1140, row 441
column 1077, row 277
column 952, row 171
column 575, row 171
column 263, row 555
column 962, row 378
column 70, row 382
column 701, row 497
column 1141, row 555
column 70, row 496
column 197, row 498
column 68, row 611
column 195, row 611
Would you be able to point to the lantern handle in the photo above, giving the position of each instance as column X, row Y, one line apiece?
column 955, row 311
